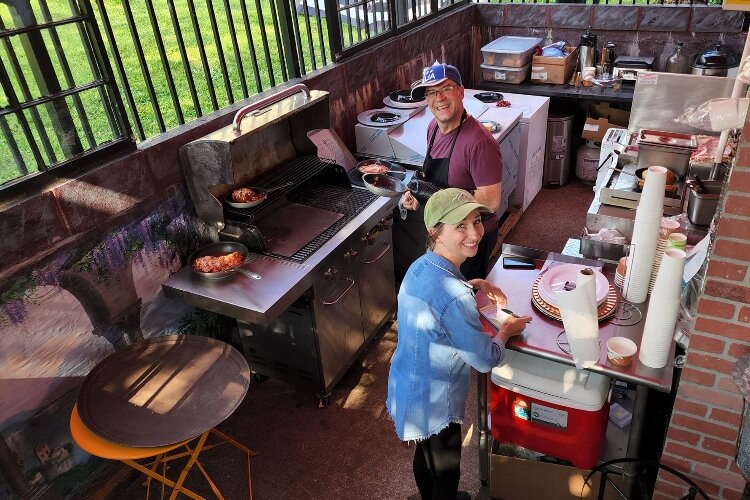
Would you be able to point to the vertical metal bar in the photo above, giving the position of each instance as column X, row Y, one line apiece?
column 310, row 44
column 202, row 52
column 284, row 56
column 322, row 45
column 144, row 67
column 69, row 81
column 115, row 124
column 349, row 24
column 13, row 146
column 266, row 50
column 220, row 51
column 26, row 93
column 184, row 58
column 334, row 28
column 164, row 61
column 120, row 69
column 251, row 46
column 236, row 48
column 13, row 102
column 297, row 35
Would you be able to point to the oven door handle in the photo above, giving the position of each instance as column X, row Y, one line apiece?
column 386, row 247
column 341, row 295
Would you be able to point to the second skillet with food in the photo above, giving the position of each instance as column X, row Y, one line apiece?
column 257, row 195
column 219, row 250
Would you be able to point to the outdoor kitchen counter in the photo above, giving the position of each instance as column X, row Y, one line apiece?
column 282, row 282
column 540, row 339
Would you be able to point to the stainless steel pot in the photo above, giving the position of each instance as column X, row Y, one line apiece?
column 714, row 61
column 709, row 71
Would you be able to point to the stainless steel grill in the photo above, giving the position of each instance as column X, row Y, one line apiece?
column 307, row 319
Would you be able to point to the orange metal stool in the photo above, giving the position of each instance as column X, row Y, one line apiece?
column 103, row 448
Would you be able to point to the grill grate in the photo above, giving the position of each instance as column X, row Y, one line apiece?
column 307, row 190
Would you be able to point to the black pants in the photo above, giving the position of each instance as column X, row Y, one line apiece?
column 437, row 462
column 477, row 266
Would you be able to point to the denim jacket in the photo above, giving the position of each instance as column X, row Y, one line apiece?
column 439, row 339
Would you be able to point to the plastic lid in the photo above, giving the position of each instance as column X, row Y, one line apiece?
column 512, row 44
column 551, row 381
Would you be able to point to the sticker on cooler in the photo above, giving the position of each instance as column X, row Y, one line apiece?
column 500, row 75
column 549, row 416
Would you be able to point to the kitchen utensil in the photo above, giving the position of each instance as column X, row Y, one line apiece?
column 262, row 191
column 587, row 49
column 384, row 185
column 392, row 167
column 218, row 249
column 669, row 149
column 714, row 61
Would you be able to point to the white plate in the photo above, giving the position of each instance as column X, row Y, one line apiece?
column 554, row 281
column 370, row 117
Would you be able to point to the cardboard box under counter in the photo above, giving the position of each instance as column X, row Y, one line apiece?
column 555, row 70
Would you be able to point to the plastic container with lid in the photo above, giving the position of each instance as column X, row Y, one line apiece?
column 510, row 51
column 505, row 74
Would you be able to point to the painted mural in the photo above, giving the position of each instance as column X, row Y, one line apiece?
column 58, row 320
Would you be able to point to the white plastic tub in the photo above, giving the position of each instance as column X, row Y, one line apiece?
column 510, row 51
column 505, row 74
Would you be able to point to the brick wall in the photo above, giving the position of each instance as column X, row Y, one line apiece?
column 707, row 413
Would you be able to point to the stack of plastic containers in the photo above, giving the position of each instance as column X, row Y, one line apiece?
column 508, row 59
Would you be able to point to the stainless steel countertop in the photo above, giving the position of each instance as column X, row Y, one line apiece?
column 282, row 282
column 540, row 336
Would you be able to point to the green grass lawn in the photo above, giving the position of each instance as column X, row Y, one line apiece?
column 227, row 90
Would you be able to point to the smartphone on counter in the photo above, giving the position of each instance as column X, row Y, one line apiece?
column 515, row 262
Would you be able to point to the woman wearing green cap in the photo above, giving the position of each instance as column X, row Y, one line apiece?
column 440, row 338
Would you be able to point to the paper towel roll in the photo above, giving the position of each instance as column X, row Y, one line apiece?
column 581, row 320
column 645, row 236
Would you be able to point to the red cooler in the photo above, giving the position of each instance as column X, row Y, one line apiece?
column 550, row 408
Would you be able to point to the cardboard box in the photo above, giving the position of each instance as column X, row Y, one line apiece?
column 601, row 118
column 557, row 70
column 520, row 479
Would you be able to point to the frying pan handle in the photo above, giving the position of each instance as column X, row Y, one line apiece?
column 249, row 274
column 330, row 303
column 272, row 99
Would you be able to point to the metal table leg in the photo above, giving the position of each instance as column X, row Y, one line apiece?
column 634, row 438
column 484, row 457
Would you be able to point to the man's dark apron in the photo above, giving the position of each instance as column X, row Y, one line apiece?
column 435, row 170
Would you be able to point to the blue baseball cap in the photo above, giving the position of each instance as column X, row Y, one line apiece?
column 434, row 75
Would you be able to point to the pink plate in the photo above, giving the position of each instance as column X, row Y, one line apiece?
column 554, row 281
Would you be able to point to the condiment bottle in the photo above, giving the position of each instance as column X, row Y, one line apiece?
column 678, row 62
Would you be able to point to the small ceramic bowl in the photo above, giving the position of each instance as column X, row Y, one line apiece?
column 621, row 351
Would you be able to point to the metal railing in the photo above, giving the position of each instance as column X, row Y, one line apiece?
column 80, row 77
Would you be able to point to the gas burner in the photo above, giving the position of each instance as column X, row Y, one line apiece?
column 402, row 96
column 385, row 117
column 382, row 117
column 489, row 96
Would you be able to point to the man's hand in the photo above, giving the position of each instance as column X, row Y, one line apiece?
column 495, row 294
column 409, row 202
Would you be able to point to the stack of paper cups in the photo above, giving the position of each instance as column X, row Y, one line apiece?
column 645, row 235
column 667, row 227
column 662, row 310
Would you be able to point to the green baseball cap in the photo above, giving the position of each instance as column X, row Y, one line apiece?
column 450, row 206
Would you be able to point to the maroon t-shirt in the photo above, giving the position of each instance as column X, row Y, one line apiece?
column 475, row 161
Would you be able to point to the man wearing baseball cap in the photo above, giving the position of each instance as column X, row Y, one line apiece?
column 440, row 338
column 461, row 153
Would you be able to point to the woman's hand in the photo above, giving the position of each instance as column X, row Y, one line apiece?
column 495, row 294
column 512, row 326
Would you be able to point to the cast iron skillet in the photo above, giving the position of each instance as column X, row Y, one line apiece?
column 384, row 185
column 222, row 248
column 393, row 168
